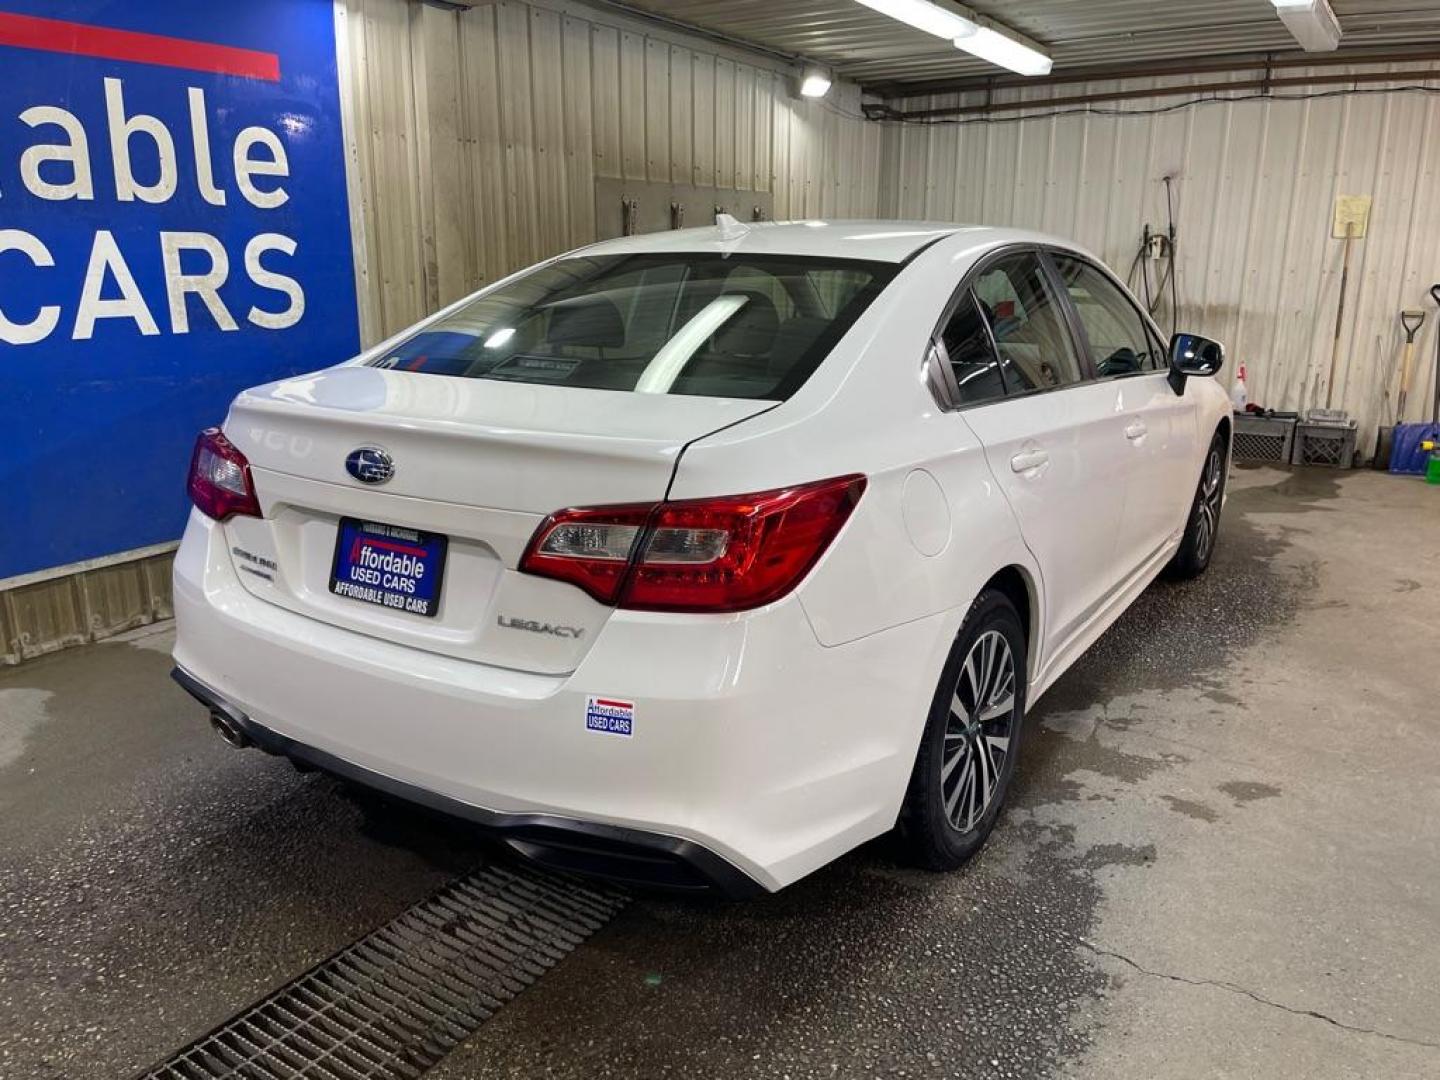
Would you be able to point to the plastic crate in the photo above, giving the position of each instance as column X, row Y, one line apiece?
column 1327, row 444
column 1263, row 438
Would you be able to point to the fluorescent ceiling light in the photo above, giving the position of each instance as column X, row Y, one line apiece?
column 953, row 23
column 499, row 337
column 1005, row 51
column 1311, row 23
column 816, row 83
column 923, row 15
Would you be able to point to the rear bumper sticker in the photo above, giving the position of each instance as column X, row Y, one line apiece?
column 610, row 716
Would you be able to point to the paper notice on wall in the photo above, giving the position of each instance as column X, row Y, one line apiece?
column 1352, row 213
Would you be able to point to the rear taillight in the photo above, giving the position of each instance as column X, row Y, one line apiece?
column 220, row 484
column 724, row 554
column 589, row 548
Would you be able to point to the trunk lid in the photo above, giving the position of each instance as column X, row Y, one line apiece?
column 478, row 462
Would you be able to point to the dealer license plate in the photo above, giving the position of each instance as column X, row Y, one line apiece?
column 388, row 565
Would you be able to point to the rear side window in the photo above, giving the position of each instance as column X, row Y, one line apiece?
column 1036, row 352
column 693, row 323
column 972, row 358
column 1119, row 342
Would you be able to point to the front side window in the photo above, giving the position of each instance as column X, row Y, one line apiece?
column 1035, row 347
column 1119, row 341
column 687, row 323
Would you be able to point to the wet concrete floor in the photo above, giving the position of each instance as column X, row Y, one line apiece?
column 1222, row 859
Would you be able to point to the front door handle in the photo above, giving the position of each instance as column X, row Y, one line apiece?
column 1136, row 430
column 1026, row 460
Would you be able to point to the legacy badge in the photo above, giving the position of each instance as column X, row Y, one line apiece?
column 511, row 623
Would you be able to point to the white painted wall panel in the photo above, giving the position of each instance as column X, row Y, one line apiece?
column 1255, row 183
column 480, row 133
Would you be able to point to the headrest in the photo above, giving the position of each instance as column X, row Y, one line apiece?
column 794, row 339
column 751, row 330
column 586, row 320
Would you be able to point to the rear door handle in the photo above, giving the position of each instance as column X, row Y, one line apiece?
column 1029, row 459
column 1136, row 430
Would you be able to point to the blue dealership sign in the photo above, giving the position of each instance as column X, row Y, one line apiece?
column 173, row 228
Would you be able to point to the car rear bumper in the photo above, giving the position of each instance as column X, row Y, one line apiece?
column 756, row 754
column 619, row 854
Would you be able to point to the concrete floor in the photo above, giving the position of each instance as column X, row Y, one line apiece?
column 1223, row 859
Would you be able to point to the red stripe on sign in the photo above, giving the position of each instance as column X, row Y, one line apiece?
column 615, row 704
column 78, row 39
column 391, row 545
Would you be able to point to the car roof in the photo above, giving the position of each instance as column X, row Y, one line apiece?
column 881, row 241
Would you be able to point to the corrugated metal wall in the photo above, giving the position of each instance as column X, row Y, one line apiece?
column 480, row 133
column 475, row 139
column 95, row 602
column 1255, row 183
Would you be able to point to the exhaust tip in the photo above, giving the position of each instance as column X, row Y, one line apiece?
column 228, row 730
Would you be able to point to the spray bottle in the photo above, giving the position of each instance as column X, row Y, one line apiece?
column 1238, row 393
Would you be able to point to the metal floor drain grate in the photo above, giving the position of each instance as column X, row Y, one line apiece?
column 401, row 998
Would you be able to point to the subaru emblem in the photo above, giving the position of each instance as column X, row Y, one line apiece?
column 370, row 465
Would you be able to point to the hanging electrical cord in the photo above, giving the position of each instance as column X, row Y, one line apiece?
column 1140, row 261
column 1145, row 271
column 888, row 114
column 1130, row 274
column 1174, row 273
column 1169, row 277
column 1166, row 277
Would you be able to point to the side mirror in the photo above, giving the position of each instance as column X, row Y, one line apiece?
column 1191, row 354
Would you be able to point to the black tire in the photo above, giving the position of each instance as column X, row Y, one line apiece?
column 1384, row 446
column 1203, row 524
column 928, row 827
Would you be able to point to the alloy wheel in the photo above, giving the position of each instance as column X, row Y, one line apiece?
column 978, row 735
column 1209, row 505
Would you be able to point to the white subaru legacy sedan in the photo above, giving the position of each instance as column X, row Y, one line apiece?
column 700, row 558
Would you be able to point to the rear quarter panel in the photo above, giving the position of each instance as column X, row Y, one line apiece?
column 906, row 553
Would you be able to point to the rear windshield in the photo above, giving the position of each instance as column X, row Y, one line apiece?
column 717, row 326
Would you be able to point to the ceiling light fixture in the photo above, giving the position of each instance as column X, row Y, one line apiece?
column 815, row 83
column 923, row 15
column 1311, row 23
column 1005, row 51
column 965, row 30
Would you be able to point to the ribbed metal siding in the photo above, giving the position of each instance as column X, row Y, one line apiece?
column 95, row 602
column 474, row 142
column 479, row 135
column 1255, row 187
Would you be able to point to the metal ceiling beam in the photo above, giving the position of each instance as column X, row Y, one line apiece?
column 1074, row 100
column 1109, row 72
